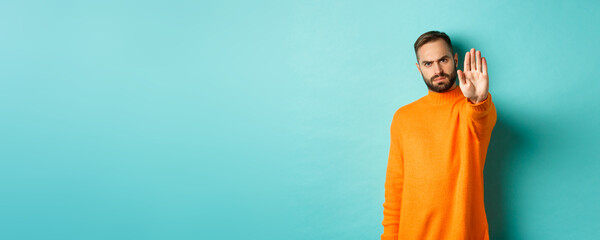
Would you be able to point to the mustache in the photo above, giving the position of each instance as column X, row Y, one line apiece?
column 441, row 75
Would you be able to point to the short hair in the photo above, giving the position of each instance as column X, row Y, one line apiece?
column 432, row 36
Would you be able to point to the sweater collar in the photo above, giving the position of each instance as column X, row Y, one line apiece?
column 444, row 97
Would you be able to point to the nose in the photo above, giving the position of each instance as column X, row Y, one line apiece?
column 437, row 68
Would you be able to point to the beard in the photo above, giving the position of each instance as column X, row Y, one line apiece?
column 442, row 86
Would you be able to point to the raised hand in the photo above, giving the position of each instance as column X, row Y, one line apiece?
column 474, row 81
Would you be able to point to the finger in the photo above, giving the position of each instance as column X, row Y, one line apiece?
column 484, row 66
column 478, row 61
column 461, row 77
column 473, row 63
column 467, row 62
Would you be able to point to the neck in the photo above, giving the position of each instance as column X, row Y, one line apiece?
column 453, row 87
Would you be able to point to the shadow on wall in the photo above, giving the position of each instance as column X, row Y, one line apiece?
column 503, row 143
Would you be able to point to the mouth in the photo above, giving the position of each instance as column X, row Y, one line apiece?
column 439, row 79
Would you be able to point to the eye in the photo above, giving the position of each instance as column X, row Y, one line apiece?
column 427, row 64
column 444, row 60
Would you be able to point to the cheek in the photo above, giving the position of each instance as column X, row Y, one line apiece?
column 427, row 74
column 449, row 68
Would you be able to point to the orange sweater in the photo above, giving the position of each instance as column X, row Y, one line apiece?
column 434, row 177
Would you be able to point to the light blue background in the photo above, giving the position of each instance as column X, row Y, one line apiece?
column 270, row 120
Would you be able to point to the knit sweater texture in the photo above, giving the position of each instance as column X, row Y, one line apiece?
column 434, row 177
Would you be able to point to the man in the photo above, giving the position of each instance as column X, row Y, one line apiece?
column 434, row 177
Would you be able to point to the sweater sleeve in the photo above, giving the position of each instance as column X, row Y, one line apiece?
column 482, row 116
column 393, row 185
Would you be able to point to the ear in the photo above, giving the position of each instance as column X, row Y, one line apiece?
column 418, row 68
column 456, row 59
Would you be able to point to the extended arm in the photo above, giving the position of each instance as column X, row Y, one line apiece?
column 474, row 83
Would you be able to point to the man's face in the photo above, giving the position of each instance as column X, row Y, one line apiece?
column 437, row 66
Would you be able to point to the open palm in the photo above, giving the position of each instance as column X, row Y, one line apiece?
column 474, row 81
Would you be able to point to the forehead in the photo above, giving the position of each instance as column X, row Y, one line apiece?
column 433, row 50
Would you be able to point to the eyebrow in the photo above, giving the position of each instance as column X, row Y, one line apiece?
column 446, row 56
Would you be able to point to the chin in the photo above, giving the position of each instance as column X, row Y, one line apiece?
column 442, row 88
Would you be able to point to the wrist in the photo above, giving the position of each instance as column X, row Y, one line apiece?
column 476, row 100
